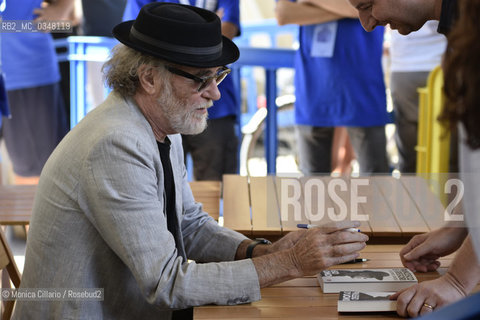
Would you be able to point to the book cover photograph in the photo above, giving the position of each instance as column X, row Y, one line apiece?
column 373, row 280
column 357, row 301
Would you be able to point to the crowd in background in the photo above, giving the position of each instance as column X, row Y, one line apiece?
column 339, row 114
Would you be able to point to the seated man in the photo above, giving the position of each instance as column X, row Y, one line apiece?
column 114, row 210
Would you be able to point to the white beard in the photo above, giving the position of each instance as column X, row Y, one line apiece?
column 183, row 118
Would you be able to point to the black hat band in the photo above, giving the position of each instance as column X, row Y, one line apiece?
column 217, row 49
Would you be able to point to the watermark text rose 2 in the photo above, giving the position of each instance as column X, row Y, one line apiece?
column 339, row 199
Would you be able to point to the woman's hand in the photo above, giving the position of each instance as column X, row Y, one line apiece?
column 425, row 297
column 421, row 253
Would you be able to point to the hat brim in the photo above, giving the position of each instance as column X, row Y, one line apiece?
column 229, row 54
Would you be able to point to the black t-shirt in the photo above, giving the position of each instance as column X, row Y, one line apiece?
column 169, row 185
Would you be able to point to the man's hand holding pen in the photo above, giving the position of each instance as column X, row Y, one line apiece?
column 327, row 245
column 311, row 226
column 308, row 251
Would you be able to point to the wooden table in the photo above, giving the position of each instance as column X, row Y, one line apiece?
column 303, row 299
column 16, row 203
column 397, row 209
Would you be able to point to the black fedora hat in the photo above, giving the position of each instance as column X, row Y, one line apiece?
column 178, row 33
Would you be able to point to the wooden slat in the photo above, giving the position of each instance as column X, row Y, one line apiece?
column 4, row 260
column 208, row 193
column 293, row 215
column 15, row 219
column 401, row 205
column 316, row 201
column 239, row 312
column 380, row 217
column 10, row 272
column 429, row 206
column 310, row 281
column 16, row 204
column 26, row 190
column 7, row 257
column 332, row 198
column 337, row 197
column 290, row 291
column 391, row 255
column 298, row 302
column 265, row 210
column 346, row 197
column 236, row 204
column 383, row 248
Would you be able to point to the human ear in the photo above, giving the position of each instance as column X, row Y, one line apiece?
column 147, row 78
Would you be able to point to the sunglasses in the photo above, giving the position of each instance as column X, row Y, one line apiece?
column 203, row 81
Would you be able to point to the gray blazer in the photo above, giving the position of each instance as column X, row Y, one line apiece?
column 99, row 222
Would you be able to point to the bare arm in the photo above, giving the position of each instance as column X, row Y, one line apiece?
column 465, row 268
column 288, row 12
column 58, row 10
column 340, row 7
column 229, row 30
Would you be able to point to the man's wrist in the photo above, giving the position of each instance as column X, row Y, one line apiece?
column 256, row 245
column 275, row 268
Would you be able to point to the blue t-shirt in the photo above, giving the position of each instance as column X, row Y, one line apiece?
column 338, row 75
column 228, row 104
column 4, row 110
column 28, row 59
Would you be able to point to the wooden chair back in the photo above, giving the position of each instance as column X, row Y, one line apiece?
column 208, row 193
column 9, row 273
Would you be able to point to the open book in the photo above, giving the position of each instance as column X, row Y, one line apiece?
column 357, row 301
column 366, row 280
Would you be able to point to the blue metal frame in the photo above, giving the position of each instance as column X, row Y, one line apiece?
column 271, row 60
column 78, row 55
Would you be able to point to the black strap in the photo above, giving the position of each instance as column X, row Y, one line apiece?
column 253, row 244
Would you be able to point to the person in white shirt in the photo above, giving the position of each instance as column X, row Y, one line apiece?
column 412, row 58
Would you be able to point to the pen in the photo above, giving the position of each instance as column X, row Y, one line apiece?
column 310, row 226
column 358, row 260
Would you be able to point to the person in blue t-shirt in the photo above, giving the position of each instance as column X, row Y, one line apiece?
column 38, row 121
column 4, row 111
column 338, row 82
column 215, row 151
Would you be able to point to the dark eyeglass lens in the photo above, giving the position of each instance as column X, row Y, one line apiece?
column 219, row 77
